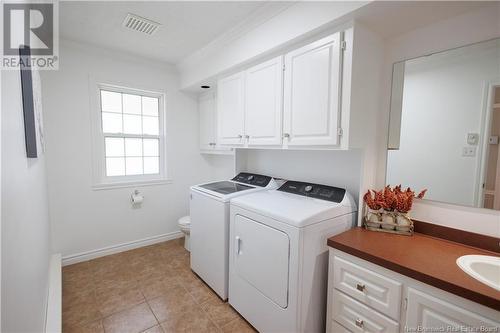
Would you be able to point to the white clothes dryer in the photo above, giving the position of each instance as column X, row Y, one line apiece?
column 278, row 256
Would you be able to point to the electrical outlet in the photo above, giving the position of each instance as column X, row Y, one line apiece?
column 469, row 151
column 493, row 140
column 472, row 139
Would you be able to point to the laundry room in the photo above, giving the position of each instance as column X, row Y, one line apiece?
column 250, row 166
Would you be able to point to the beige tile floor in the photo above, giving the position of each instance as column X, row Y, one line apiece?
column 150, row 289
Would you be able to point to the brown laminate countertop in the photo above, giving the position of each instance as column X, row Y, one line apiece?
column 421, row 257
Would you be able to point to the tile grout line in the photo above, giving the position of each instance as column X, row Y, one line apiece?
column 200, row 305
column 151, row 309
column 166, row 260
column 208, row 314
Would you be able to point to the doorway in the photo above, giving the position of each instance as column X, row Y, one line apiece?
column 491, row 193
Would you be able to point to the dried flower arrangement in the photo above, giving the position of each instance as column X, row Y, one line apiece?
column 387, row 209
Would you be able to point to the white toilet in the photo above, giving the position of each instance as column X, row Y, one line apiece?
column 185, row 226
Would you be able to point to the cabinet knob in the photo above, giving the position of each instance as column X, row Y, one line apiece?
column 240, row 136
column 359, row 323
column 360, row 287
column 247, row 136
column 286, row 135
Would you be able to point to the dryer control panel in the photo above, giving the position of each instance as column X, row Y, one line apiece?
column 317, row 191
column 252, row 179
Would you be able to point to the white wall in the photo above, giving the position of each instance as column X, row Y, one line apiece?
column 25, row 220
column 443, row 101
column 300, row 20
column 83, row 219
column 478, row 25
column 221, row 166
column 363, row 102
column 330, row 167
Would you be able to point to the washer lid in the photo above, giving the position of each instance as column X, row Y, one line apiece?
column 293, row 209
column 226, row 187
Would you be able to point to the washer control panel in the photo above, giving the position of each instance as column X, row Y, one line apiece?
column 316, row 191
column 252, row 179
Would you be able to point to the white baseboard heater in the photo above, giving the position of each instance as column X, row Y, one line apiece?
column 53, row 321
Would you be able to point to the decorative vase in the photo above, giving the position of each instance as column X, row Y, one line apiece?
column 402, row 219
column 373, row 218
column 388, row 221
column 404, row 223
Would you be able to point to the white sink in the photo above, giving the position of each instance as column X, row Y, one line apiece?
column 485, row 269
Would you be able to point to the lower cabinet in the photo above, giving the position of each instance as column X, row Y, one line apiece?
column 358, row 317
column 364, row 297
column 435, row 314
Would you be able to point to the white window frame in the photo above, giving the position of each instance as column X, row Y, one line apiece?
column 100, row 180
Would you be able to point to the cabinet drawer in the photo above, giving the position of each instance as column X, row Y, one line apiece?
column 337, row 328
column 357, row 317
column 377, row 291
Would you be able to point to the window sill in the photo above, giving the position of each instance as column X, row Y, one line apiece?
column 134, row 183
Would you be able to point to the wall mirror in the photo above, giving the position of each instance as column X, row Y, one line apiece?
column 445, row 125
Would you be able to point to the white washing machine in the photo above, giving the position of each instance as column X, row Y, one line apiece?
column 278, row 256
column 209, row 212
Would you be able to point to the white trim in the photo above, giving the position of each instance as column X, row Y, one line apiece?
column 99, row 180
column 484, row 147
column 53, row 320
column 219, row 151
column 261, row 15
column 108, row 186
column 92, row 254
column 1, row 227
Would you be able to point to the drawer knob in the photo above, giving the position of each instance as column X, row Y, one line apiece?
column 359, row 323
column 360, row 287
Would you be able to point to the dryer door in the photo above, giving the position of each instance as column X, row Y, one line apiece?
column 262, row 258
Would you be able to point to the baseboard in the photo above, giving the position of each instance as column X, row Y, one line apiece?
column 53, row 320
column 88, row 255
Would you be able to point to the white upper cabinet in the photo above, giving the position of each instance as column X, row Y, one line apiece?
column 263, row 103
column 206, row 109
column 230, row 110
column 289, row 100
column 312, row 93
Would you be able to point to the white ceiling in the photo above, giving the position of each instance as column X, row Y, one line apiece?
column 186, row 26
column 393, row 18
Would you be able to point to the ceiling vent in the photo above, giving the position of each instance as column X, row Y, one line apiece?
column 140, row 24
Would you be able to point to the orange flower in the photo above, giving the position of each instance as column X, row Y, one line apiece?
column 392, row 199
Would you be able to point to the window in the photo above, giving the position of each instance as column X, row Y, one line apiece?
column 131, row 136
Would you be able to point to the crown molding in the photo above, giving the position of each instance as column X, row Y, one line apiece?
column 261, row 15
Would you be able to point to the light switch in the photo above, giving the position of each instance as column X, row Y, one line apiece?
column 469, row 151
column 493, row 140
column 472, row 139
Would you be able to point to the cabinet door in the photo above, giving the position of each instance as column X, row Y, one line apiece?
column 206, row 109
column 426, row 312
column 262, row 258
column 263, row 103
column 312, row 93
column 230, row 110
